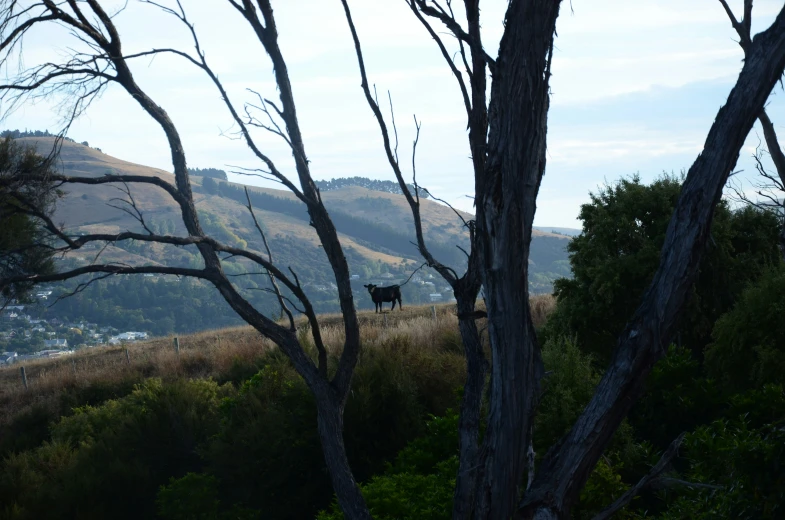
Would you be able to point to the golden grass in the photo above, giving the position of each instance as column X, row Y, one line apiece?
column 542, row 305
column 216, row 353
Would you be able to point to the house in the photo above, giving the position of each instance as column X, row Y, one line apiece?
column 354, row 277
column 386, row 276
column 435, row 297
column 56, row 343
column 129, row 336
column 53, row 353
column 7, row 358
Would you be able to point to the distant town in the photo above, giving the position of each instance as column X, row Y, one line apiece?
column 24, row 335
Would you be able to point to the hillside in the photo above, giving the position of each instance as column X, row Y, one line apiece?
column 375, row 228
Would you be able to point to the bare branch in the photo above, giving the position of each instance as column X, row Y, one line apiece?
column 455, row 28
column 645, row 482
column 461, row 83
column 447, row 273
column 270, row 259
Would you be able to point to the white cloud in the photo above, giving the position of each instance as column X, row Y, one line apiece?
column 625, row 96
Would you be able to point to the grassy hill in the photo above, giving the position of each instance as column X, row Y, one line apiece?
column 375, row 228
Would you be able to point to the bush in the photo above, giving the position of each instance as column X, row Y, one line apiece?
column 677, row 388
column 421, row 481
column 108, row 461
column 748, row 348
column 745, row 465
column 614, row 259
column 567, row 389
column 195, row 497
column 280, row 469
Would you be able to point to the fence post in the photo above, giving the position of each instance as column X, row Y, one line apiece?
column 433, row 311
column 177, row 345
column 127, row 357
column 24, row 376
column 73, row 365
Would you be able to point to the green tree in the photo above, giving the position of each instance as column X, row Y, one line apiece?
column 614, row 258
column 748, row 348
column 210, row 186
column 26, row 194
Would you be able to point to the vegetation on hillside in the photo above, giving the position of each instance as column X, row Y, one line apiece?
column 245, row 446
column 209, row 173
column 371, row 184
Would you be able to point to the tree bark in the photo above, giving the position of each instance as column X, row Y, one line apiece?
column 505, row 213
column 330, row 423
column 471, row 404
column 567, row 466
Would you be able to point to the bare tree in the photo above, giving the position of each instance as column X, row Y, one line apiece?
column 102, row 61
column 771, row 184
column 507, row 137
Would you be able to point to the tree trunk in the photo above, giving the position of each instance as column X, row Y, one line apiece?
column 565, row 469
column 505, row 213
column 469, row 423
column 330, row 422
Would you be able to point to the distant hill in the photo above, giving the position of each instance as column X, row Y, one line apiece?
column 375, row 227
column 370, row 184
column 570, row 232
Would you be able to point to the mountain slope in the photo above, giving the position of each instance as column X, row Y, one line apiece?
column 375, row 228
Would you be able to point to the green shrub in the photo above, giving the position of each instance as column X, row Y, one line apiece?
column 677, row 388
column 108, row 461
column 280, row 469
column 748, row 348
column 421, row 481
column 745, row 465
column 195, row 497
column 614, row 259
column 567, row 388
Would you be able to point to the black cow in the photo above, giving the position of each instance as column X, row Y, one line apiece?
column 385, row 294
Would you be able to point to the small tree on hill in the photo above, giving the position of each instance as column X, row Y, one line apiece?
column 27, row 197
column 507, row 137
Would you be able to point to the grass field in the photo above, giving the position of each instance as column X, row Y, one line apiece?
column 218, row 354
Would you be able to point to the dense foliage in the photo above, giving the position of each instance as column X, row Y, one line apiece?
column 748, row 350
column 26, row 192
column 234, row 449
column 614, row 258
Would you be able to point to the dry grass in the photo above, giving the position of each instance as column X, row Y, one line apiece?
column 542, row 306
column 218, row 353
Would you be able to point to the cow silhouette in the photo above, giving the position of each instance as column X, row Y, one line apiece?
column 380, row 295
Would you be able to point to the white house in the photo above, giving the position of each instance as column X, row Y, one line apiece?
column 56, row 343
column 435, row 297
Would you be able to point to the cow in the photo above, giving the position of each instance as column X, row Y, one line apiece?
column 385, row 294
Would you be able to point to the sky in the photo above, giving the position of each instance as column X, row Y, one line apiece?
column 635, row 88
